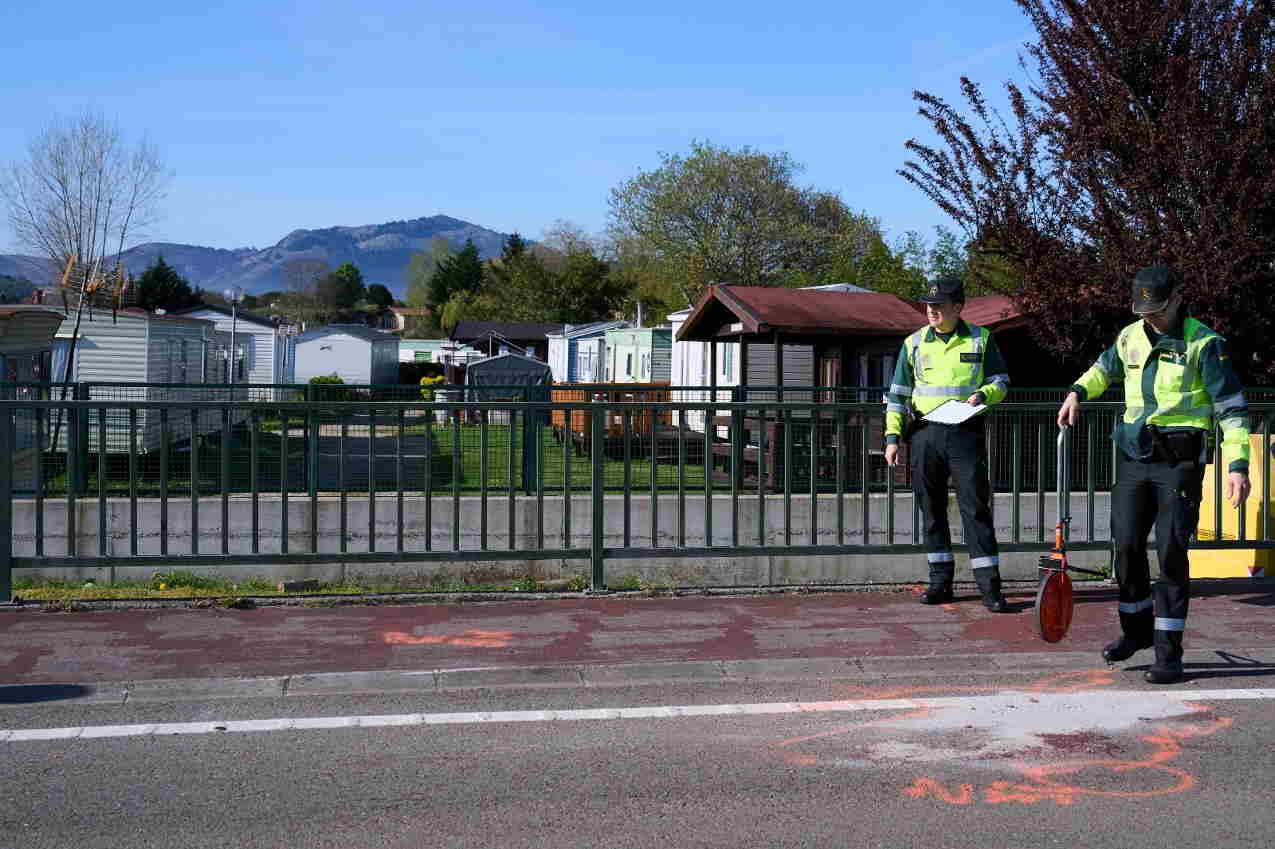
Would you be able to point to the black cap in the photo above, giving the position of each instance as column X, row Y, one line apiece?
column 944, row 290
column 1153, row 286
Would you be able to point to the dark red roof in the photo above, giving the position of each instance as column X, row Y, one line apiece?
column 762, row 309
column 995, row 312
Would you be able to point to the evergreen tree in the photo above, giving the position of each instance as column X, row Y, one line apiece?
column 461, row 273
column 380, row 296
column 161, row 287
column 420, row 270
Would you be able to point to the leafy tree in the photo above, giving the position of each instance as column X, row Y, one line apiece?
column 585, row 290
column 948, row 256
column 461, row 273
column 514, row 288
column 380, row 296
column 1147, row 139
column 341, row 289
column 161, row 287
column 572, row 284
column 718, row 215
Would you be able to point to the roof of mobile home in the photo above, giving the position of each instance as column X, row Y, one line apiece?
column 763, row 309
column 358, row 331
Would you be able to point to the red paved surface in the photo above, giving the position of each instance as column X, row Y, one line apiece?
column 148, row 644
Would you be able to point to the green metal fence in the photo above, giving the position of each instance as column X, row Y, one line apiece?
column 107, row 479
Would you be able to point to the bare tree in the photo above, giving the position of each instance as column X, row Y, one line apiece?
column 76, row 198
column 301, row 278
column 80, row 192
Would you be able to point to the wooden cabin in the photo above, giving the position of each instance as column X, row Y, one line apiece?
column 769, row 344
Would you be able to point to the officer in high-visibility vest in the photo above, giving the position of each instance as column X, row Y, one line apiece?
column 949, row 359
column 1178, row 381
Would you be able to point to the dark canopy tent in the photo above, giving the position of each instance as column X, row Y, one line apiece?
column 513, row 377
column 508, row 377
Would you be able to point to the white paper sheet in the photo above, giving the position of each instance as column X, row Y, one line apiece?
column 953, row 412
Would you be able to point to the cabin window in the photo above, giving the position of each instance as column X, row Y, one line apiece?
column 628, row 365
column 728, row 361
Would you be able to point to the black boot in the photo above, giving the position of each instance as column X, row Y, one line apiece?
column 1135, row 636
column 989, row 584
column 940, row 589
column 1167, row 668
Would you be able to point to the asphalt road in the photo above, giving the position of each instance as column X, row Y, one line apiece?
column 1041, row 757
column 853, row 720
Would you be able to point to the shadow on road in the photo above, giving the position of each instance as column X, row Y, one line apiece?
column 1228, row 666
column 22, row 694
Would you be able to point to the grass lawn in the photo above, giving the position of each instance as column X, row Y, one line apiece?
column 559, row 463
column 184, row 584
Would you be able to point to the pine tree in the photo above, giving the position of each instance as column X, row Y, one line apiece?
column 461, row 273
column 161, row 287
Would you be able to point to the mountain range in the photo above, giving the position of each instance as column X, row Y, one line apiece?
column 381, row 251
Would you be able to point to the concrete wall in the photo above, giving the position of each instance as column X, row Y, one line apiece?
column 751, row 569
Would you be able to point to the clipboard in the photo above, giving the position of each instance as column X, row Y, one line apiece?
column 954, row 412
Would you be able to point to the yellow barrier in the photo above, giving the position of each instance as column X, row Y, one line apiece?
column 1242, row 562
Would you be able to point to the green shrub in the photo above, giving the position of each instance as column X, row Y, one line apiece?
column 327, row 387
column 187, row 579
column 631, row 581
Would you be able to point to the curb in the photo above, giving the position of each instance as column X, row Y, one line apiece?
column 898, row 669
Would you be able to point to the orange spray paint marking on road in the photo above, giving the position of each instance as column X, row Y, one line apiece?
column 1043, row 784
column 923, row 787
column 472, row 638
column 1062, row 783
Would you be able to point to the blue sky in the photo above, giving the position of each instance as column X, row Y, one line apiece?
column 511, row 115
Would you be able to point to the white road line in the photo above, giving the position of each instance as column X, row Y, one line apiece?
column 1093, row 706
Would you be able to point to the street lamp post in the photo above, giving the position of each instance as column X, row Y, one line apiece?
column 234, row 295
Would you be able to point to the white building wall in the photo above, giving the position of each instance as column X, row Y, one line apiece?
column 347, row 357
column 108, row 350
column 559, row 358
column 689, row 368
column 257, row 340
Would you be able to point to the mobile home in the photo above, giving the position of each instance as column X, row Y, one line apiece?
column 578, row 353
column 263, row 353
column 134, row 355
column 639, row 355
column 356, row 354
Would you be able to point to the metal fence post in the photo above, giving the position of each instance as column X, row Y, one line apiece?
column 78, row 460
column 6, row 506
column 736, row 437
column 597, row 434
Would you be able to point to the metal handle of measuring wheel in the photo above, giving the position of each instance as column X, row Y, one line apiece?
column 1064, row 480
